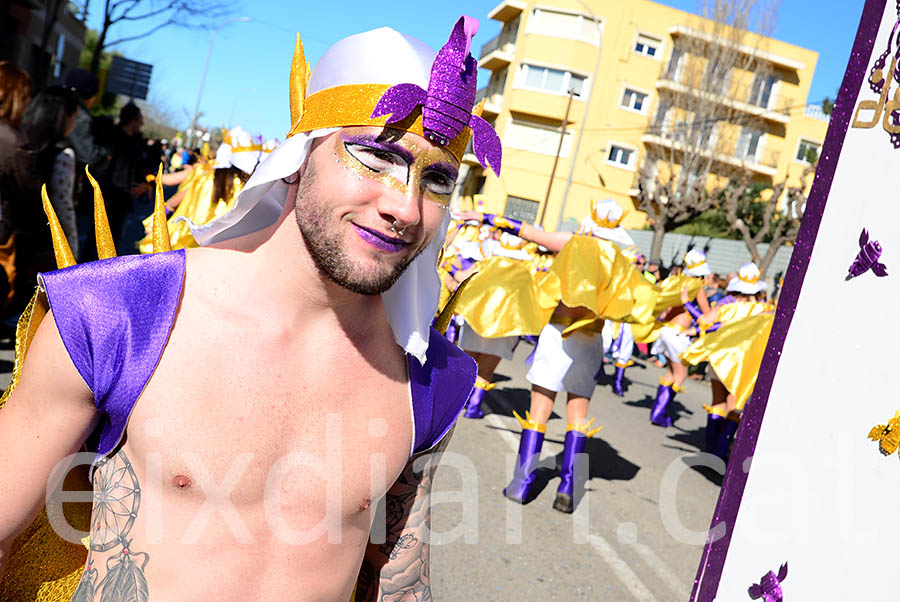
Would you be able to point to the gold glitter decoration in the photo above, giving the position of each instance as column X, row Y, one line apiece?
column 160, row 227
column 106, row 248
column 343, row 106
column 299, row 79
column 888, row 436
column 61, row 249
column 423, row 160
column 443, row 320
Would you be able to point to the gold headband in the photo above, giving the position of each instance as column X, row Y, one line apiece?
column 752, row 280
column 352, row 105
column 691, row 266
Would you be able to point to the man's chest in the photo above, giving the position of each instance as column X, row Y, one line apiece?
column 297, row 430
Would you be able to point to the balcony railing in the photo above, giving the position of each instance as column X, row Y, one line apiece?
column 737, row 97
column 765, row 162
column 498, row 42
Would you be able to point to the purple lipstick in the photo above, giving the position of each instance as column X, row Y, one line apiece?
column 380, row 241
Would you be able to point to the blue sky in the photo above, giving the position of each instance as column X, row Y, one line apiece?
column 247, row 80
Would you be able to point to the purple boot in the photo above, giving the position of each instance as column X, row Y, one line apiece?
column 473, row 405
column 617, row 383
column 519, row 489
column 659, row 414
column 713, row 426
column 722, row 446
column 573, row 472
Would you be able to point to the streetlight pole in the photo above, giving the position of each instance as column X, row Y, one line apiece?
column 212, row 38
column 587, row 106
column 562, row 137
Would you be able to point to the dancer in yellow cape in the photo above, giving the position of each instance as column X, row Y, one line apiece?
column 210, row 189
column 593, row 281
column 734, row 336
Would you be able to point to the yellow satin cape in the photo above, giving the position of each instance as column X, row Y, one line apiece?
column 593, row 274
column 735, row 352
column 669, row 296
column 197, row 205
column 505, row 298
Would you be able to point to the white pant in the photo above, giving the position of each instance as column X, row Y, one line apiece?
column 568, row 364
column 672, row 343
column 621, row 352
column 472, row 342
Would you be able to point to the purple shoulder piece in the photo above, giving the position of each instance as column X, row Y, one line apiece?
column 439, row 389
column 114, row 318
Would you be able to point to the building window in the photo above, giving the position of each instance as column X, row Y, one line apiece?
column 564, row 25
column 634, row 100
column 621, row 156
column 555, row 81
column 521, row 209
column 808, row 152
column 761, row 90
column 647, row 45
column 748, row 144
column 536, row 137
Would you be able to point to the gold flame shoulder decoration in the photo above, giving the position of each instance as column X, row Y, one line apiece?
column 887, row 435
column 106, row 248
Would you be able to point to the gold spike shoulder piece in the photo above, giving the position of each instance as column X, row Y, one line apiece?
column 887, row 436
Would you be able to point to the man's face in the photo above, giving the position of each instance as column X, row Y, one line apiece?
column 369, row 201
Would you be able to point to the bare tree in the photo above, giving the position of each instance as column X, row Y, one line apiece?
column 155, row 15
column 706, row 132
column 776, row 223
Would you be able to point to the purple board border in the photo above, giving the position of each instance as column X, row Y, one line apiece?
column 712, row 562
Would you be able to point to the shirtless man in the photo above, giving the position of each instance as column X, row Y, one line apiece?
column 287, row 385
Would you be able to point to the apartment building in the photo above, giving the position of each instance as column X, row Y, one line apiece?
column 616, row 75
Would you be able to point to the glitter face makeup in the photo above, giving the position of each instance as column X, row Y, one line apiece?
column 396, row 161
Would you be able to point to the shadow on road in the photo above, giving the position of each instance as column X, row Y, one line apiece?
column 676, row 409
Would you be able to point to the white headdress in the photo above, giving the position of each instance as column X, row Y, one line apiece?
column 747, row 281
column 603, row 222
column 695, row 264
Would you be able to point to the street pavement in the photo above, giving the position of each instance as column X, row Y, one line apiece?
column 638, row 532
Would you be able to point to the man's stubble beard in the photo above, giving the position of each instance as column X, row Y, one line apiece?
column 326, row 249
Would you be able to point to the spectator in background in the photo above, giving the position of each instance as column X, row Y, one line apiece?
column 716, row 289
column 47, row 122
column 15, row 94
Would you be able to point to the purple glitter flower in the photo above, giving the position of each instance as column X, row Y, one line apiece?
column 869, row 252
column 447, row 104
column 769, row 587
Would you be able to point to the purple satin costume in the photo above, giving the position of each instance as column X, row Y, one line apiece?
column 114, row 317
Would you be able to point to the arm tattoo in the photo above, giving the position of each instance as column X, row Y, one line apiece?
column 399, row 568
column 117, row 498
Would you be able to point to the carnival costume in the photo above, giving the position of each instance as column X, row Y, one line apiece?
column 734, row 347
column 114, row 315
column 590, row 273
column 618, row 340
column 239, row 152
column 673, row 340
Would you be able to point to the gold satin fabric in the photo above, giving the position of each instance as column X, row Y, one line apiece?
column 197, row 205
column 506, row 299
column 593, row 274
column 735, row 352
column 670, row 291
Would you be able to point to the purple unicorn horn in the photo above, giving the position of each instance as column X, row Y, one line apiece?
column 447, row 104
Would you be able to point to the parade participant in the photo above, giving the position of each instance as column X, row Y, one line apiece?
column 209, row 190
column 738, row 330
column 618, row 339
column 591, row 276
column 318, row 388
column 673, row 339
column 488, row 351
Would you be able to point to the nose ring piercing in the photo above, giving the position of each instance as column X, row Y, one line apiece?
column 396, row 230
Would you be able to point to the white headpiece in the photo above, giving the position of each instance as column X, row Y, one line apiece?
column 603, row 222
column 747, row 281
column 240, row 150
column 695, row 264
column 381, row 56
